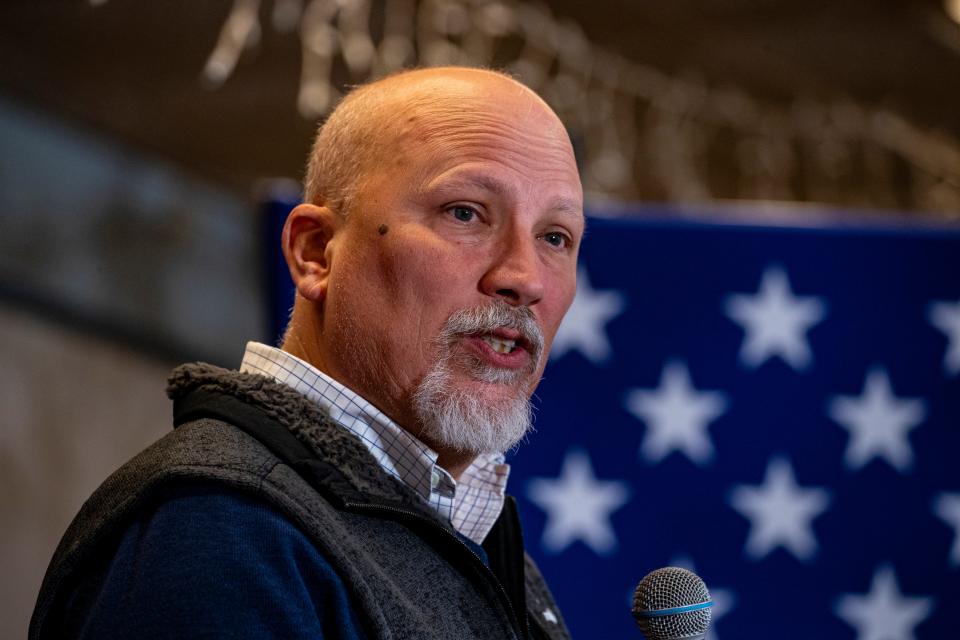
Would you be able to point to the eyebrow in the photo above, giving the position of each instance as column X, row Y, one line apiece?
column 560, row 204
column 567, row 206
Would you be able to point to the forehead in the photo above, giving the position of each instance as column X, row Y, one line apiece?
column 469, row 110
column 503, row 129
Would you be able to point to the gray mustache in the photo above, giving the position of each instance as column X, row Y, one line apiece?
column 490, row 317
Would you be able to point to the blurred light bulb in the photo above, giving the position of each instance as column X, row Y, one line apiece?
column 952, row 7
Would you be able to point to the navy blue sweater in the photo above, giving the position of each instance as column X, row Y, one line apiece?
column 214, row 563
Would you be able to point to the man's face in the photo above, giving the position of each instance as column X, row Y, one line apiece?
column 481, row 214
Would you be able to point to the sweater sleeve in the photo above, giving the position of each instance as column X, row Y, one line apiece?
column 209, row 562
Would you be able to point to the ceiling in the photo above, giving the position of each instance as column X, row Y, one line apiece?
column 132, row 69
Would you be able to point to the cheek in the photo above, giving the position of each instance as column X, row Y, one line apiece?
column 418, row 285
column 412, row 271
column 556, row 303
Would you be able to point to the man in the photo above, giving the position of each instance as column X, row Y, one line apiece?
column 351, row 484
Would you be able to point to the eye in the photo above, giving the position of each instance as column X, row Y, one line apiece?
column 557, row 239
column 462, row 212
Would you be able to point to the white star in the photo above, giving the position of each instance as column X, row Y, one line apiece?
column 878, row 423
column 775, row 321
column 676, row 416
column 947, row 507
column 946, row 317
column 884, row 613
column 578, row 506
column 780, row 512
column 583, row 328
column 723, row 599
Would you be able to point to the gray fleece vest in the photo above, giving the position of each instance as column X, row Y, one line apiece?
column 409, row 574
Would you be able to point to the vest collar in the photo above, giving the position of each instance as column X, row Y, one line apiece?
column 332, row 445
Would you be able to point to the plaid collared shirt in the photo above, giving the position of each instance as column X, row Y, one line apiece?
column 472, row 505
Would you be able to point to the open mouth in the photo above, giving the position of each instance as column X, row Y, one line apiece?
column 500, row 345
column 497, row 334
column 507, row 341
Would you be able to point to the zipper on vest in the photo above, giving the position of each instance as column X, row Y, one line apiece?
column 478, row 562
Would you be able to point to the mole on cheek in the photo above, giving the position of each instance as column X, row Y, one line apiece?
column 382, row 229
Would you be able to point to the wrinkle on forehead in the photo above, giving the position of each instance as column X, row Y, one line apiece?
column 517, row 117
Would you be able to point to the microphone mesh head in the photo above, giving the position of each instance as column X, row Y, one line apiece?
column 669, row 588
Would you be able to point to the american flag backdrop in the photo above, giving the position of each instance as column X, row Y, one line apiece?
column 775, row 407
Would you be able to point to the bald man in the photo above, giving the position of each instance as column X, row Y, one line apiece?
column 351, row 484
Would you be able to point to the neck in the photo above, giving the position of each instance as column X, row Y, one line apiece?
column 294, row 345
column 455, row 463
column 303, row 339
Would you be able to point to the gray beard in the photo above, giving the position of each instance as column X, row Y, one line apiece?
column 463, row 422
column 452, row 417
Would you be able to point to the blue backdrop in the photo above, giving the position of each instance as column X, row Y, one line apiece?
column 777, row 408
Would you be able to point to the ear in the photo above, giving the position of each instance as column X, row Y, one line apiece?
column 306, row 236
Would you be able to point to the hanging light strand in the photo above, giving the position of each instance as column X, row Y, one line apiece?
column 646, row 134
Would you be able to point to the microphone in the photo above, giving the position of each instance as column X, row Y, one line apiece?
column 672, row 604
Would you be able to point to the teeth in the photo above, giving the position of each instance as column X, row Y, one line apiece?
column 500, row 345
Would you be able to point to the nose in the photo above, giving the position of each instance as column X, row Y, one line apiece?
column 515, row 274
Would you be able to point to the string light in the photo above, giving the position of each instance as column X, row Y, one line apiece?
column 645, row 134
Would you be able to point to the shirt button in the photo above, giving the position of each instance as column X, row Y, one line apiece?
column 434, row 479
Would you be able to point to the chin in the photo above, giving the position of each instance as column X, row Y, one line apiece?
column 464, row 414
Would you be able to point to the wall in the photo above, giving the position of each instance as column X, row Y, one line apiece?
column 75, row 407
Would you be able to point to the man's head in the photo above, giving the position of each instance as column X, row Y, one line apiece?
column 435, row 254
